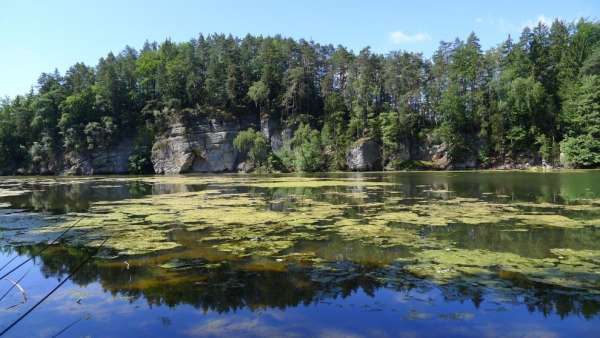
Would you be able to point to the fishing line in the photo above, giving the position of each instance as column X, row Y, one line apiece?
column 8, row 263
column 53, row 290
column 86, row 317
column 41, row 251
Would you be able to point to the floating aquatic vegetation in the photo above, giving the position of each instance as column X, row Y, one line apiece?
column 575, row 269
column 46, row 181
column 242, row 224
column 261, row 182
column 474, row 211
column 239, row 224
column 192, row 179
column 375, row 233
column 359, row 195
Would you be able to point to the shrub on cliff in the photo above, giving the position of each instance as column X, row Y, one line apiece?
column 308, row 149
column 253, row 145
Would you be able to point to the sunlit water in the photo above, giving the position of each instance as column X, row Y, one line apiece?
column 401, row 254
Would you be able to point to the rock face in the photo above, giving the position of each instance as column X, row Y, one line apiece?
column 277, row 134
column 245, row 167
column 114, row 160
column 364, row 155
column 439, row 156
column 201, row 145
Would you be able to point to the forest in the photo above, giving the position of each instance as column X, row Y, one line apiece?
column 535, row 96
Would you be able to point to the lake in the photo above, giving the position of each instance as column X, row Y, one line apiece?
column 437, row 254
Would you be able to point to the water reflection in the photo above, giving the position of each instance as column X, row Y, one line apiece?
column 65, row 195
column 231, row 286
column 352, row 287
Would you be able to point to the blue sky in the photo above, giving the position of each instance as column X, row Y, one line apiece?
column 38, row 36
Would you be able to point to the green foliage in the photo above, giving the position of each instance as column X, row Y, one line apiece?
column 274, row 163
column 582, row 118
column 99, row 134
column 591, row 65
column 582, row 151
column 254, row 145
column 334, row 140
column 581, row 111
column 308, row 149
column 139, row 162
column 394, row 126
column 285, row 156
column 258, row 92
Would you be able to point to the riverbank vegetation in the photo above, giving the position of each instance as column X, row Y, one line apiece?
column 533, row 96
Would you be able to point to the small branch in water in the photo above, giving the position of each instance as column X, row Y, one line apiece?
column 16, row 284
column 23, row 293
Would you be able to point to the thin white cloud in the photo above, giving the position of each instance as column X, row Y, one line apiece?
column 540, row 19
column 499, row 23
column 507, row 26
column 399, row 37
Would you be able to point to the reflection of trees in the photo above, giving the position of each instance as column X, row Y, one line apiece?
column 536, row 242
column 64, row 198
column 522, row 186
column 230, row 287
column 518, row 186
column 537, row 297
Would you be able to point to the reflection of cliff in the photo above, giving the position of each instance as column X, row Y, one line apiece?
column 228, row 287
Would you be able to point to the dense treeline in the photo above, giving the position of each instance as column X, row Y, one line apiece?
column 534, row 97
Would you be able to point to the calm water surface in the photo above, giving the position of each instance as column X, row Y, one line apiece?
column 465, row 254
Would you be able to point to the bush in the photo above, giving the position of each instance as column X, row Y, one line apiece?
column 285, row 157
column 308, row 150
column 254, row 145
column 582, row 151
column 99, row 134
column 139, row 162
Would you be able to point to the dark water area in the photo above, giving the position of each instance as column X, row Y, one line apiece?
column 436, row 254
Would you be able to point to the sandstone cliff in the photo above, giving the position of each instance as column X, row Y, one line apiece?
column 198, row 145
